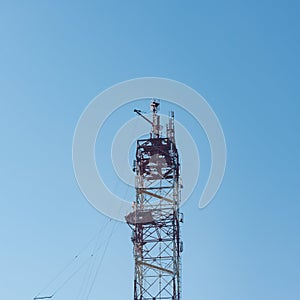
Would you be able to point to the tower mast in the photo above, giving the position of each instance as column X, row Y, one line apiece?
column 155, row 218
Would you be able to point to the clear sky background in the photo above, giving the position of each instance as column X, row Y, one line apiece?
column 242, row 56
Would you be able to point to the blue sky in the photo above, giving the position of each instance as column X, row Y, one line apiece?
column 242, row 56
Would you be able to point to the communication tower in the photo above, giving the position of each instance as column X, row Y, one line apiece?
column 155, row 218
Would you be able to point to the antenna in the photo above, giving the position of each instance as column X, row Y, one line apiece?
column 155, row 123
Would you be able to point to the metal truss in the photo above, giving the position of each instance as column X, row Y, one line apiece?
column 155, row 218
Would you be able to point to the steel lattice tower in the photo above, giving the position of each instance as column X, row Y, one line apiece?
column 155, row 218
